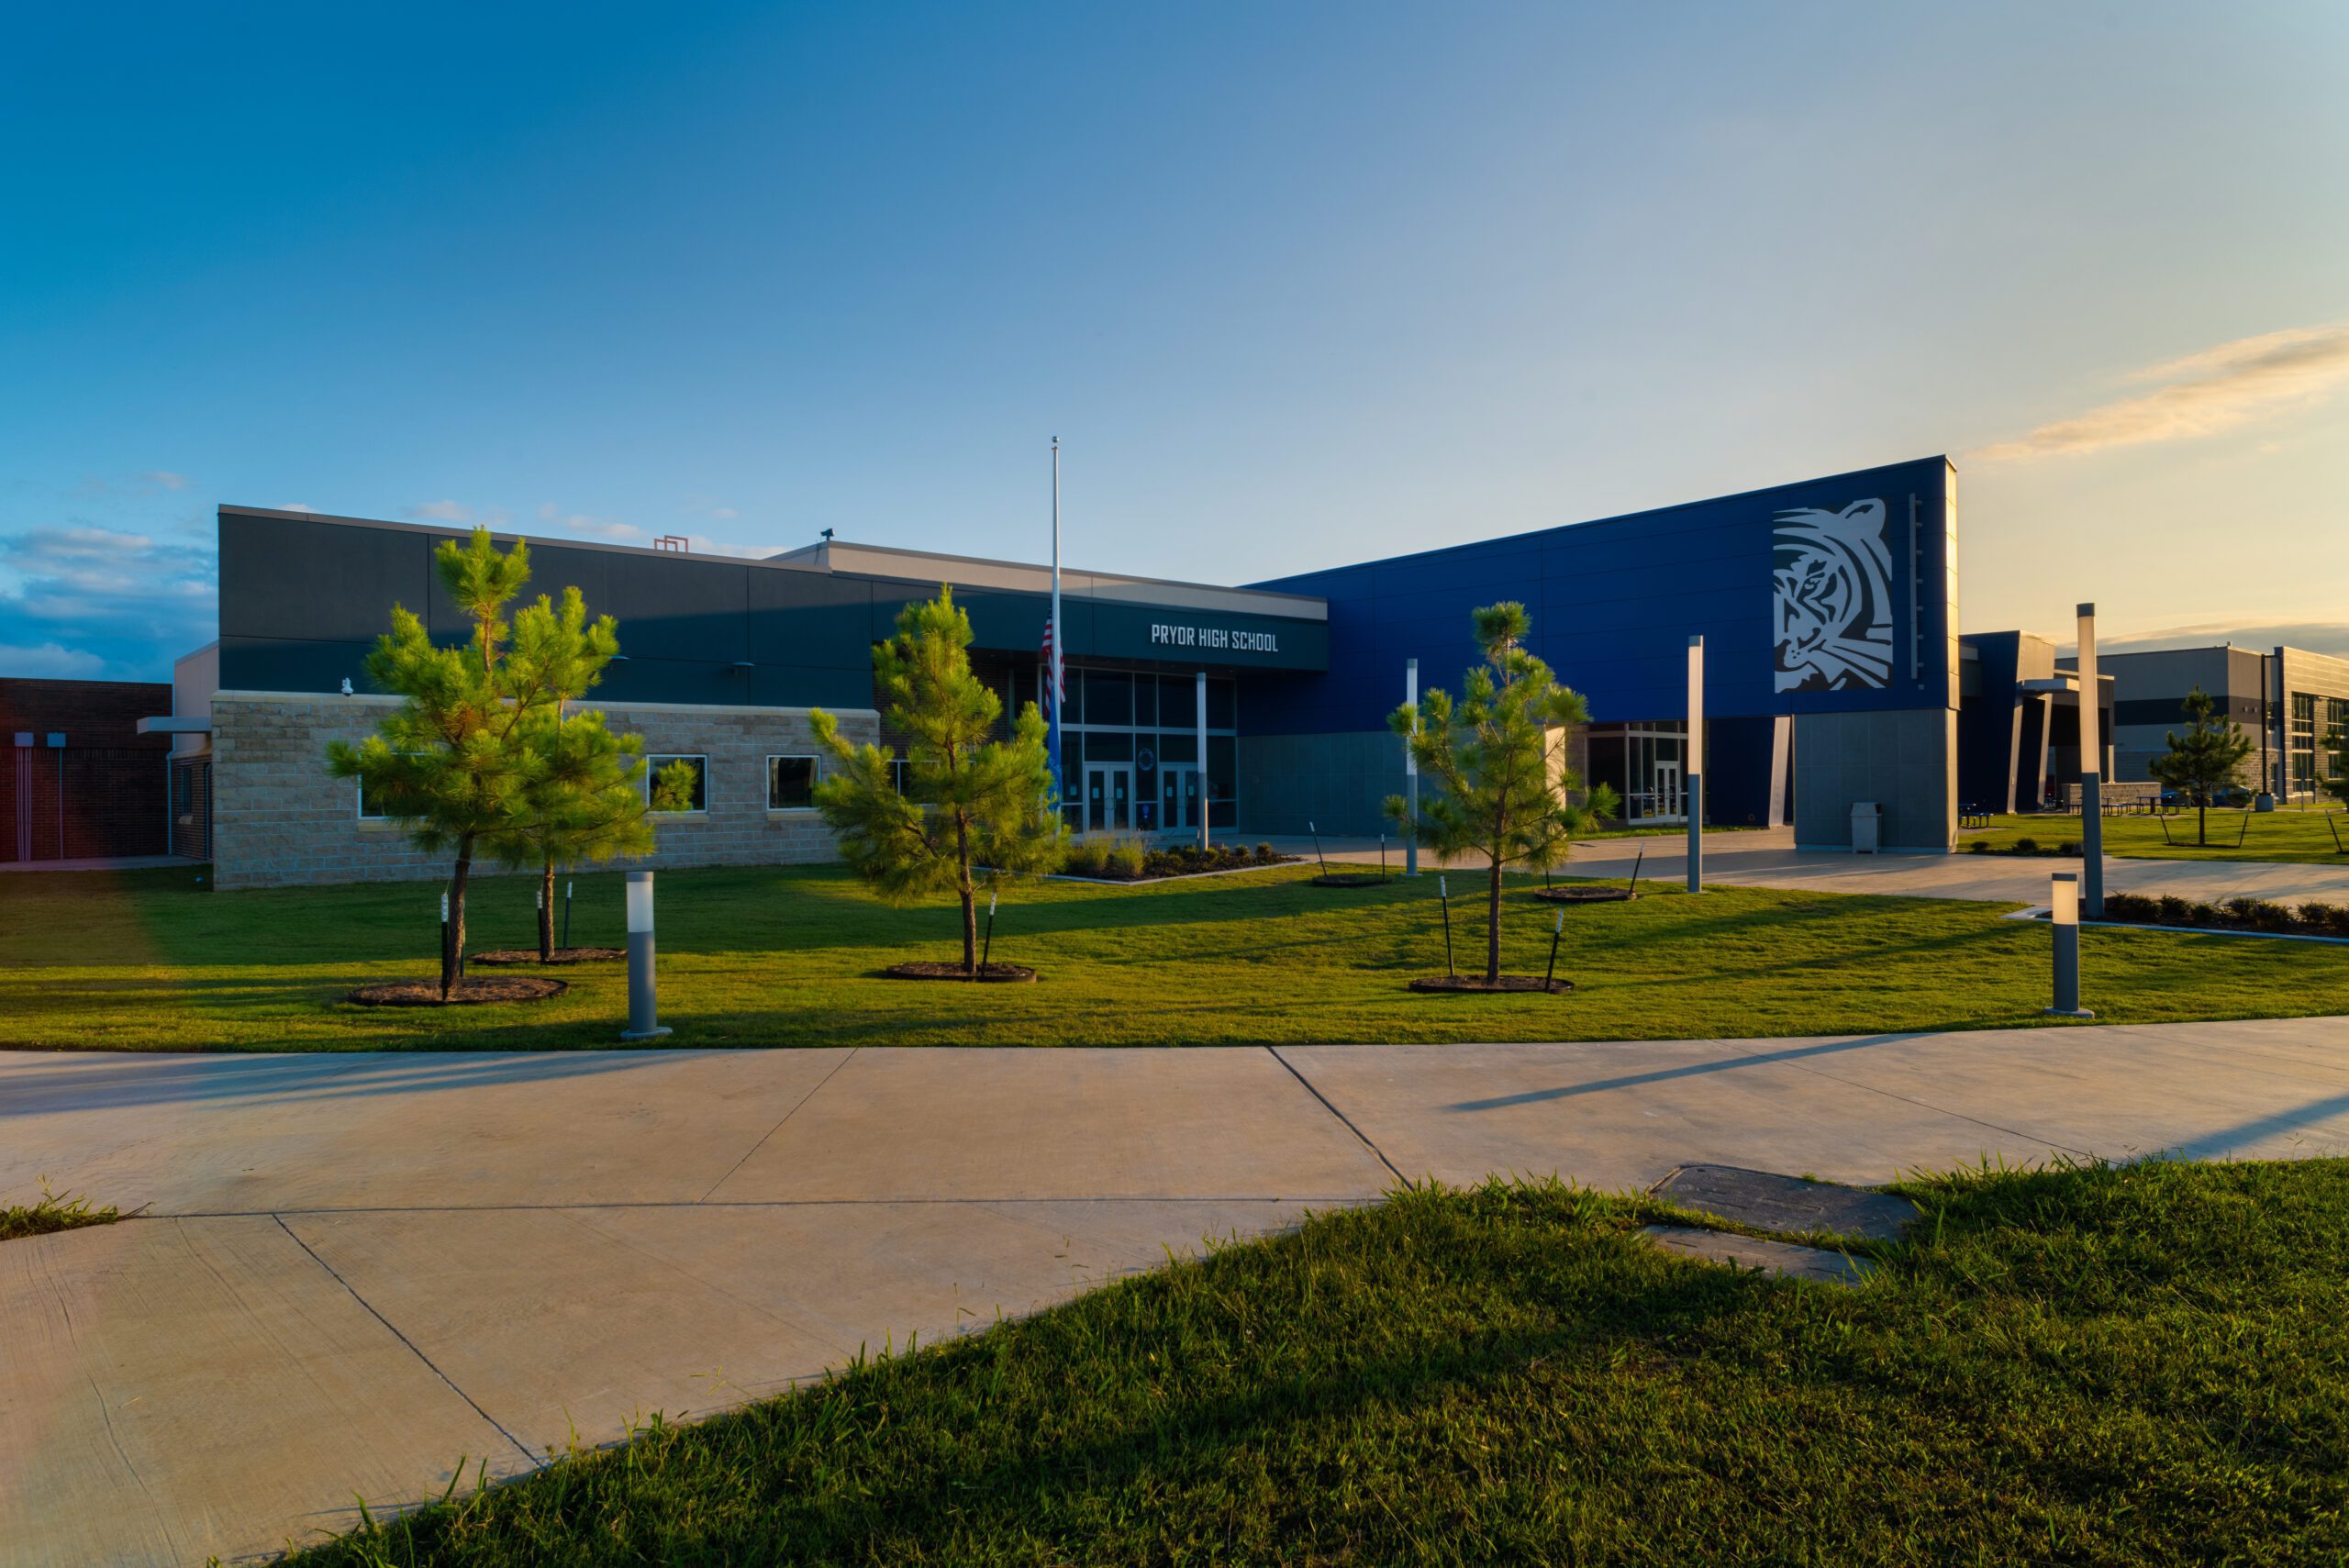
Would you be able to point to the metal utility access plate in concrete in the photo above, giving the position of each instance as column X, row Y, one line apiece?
column 1781, row 1258
column 1786, row 1203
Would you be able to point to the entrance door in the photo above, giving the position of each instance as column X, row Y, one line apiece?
column 1108, row 796
column 1178, row 790
column 1667, row 790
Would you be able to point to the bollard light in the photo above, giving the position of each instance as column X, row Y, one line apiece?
column 2063, row 917
column 643, row 1020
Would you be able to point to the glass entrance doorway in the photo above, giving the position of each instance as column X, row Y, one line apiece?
column 1648, row 765
column 1665, row 802
column 1179, row 789
column 1108, row 796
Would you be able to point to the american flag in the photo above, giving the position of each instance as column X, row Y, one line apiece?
column 1055, row 689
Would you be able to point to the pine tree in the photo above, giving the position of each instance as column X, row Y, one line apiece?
column 2202, row 760
column 968, row 799
column 449, row 764
column 1501, row 789
column 582, row 798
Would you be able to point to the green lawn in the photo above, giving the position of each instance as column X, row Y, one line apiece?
column 2290, row 834
column 148, row 960
column 2095, row 1366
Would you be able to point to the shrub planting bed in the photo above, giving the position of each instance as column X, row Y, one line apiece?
column 2025, row 847
column 2311, row 919
column 1130, row 860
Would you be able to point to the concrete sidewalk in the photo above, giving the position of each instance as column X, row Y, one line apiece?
column 1767, row 858
column 355, row 1269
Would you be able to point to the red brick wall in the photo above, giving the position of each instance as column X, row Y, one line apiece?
column 89, row 713
column 105, row 794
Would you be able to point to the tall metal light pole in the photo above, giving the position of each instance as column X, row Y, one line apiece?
column 1412, row 769
column 2091, row 771
column 1694, row 770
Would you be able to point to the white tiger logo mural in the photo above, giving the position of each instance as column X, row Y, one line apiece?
column 1832, row 602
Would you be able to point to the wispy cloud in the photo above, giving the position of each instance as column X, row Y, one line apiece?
column 603, row 529
column 298, row 506
column 92, row 601
column 94, row 487
column 2316, row 635
column 724, row 514
column 50, row 661
column 442, row 512
column 2200, row 395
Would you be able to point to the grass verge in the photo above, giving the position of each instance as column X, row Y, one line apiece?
column 791, row 957
column 2093, row 1366
column 52, row 1212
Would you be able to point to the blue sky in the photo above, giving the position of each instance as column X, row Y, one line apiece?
column 1295, row 284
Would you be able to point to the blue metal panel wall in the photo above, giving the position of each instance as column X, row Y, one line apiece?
column 1614, row 603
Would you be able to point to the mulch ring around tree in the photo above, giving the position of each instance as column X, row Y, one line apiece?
column 1346, row 879
column 1585, row 894
column 501, row 957
column 991, row 973
column 1475, row 985
column 472, row 990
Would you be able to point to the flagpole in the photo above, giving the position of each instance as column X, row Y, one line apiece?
column 1056, row 550
column 1058, row 654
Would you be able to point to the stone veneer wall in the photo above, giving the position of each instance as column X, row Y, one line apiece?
column 279, row 819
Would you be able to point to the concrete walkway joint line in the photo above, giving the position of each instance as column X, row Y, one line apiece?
column 786, row 1116
column 1400, row 1179
column 519, row 1447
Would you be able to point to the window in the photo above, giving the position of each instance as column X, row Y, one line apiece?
column 898, row 766
column 694, row 797
column 372, row 806
column 1108, row 697
column 791, row 784
column 1223, row 705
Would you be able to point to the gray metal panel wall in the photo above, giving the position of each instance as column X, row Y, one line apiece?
column 1339, row 782
column 1904, row 761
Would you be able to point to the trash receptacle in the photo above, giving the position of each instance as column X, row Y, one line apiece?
column 1867, row 819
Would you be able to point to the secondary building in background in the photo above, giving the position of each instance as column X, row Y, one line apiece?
column 2019, row 724
column 82, row 781
column 1829, row 609
column 2292, row 703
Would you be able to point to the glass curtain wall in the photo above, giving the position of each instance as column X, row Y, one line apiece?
column 1129, row 751
column 1647, row 764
